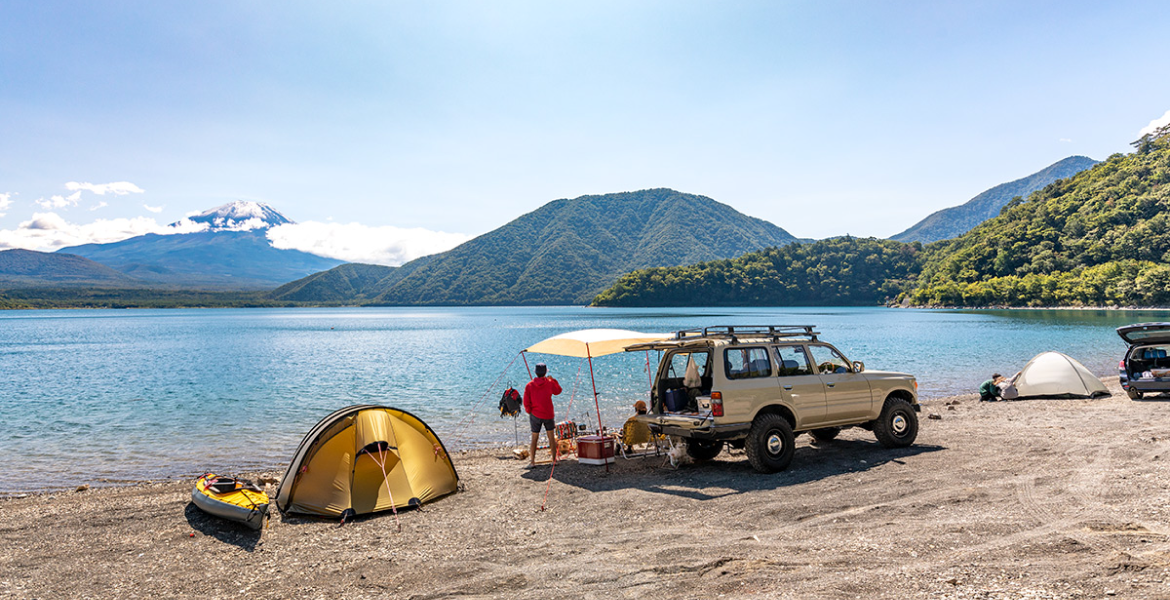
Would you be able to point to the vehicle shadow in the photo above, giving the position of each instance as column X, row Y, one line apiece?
column 729, row 473
column 236, row 534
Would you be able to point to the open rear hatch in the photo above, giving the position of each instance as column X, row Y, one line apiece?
column 1145, row 333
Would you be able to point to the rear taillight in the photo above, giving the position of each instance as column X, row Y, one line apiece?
column 1121, row 365
column 716, row 404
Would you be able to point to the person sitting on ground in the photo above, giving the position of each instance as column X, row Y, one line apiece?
column 539, row 406
column 1007, row 388
column 989, row 391
column 635, row 432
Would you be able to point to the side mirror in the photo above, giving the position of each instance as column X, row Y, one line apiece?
column 858, row 366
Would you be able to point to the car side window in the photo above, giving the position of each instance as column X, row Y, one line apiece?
column 792, row 360
column 745, row 363
column 829, row 360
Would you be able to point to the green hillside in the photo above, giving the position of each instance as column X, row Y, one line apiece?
column 955, row 221
column 562, row 253
column 1099, row 238
column 835, row 272
column 20, row 268
column 344, row 283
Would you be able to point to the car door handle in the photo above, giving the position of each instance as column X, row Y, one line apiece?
column 788, row 387
column 831, row 384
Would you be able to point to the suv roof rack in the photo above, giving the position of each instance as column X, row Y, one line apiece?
column 776, row 332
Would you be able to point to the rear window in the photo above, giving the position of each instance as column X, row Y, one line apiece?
column 745, row 363
column 677, row 368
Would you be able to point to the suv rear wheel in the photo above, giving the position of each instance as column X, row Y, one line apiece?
column 897, row 426
column 1133, row 394
column 701, row 450
column 770, row 443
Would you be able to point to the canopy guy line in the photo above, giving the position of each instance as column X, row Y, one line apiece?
column 466, row 421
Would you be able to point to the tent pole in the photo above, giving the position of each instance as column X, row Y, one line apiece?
column 648, row 373
column 596, row 403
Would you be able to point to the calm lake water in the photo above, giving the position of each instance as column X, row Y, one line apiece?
column 100, row 396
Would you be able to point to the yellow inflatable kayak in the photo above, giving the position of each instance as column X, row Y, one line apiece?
column 232, row 499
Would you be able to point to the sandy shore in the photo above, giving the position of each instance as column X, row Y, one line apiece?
column 1029, row 499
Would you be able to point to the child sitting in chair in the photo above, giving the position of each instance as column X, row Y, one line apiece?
column 635, row 432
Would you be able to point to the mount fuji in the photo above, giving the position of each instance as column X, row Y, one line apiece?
column 227, row 248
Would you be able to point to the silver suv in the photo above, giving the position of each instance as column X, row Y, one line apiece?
column 757, row 387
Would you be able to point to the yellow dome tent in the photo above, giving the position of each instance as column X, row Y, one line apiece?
column 365, row 459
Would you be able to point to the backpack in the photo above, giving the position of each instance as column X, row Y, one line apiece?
column 510, row 403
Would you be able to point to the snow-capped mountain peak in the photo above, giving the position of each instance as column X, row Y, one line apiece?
column 239, row 216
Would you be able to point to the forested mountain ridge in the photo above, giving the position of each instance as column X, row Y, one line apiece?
column 1101, row 237
column 350, row 283
column 28, row 267
column 844, row 271
column 1098, row 238
column 955, row 221
column 564, row 252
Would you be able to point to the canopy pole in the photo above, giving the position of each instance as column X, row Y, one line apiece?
column 524, row 355
column 596, row 403
column 648, row 373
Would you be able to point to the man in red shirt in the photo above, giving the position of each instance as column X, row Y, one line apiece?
column 538, row 404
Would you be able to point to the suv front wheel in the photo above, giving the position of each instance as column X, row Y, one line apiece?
column 897, row 426
column 770, row 443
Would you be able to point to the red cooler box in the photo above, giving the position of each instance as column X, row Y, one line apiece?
column 595, row 450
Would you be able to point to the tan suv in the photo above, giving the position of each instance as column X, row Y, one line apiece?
column 759, row 386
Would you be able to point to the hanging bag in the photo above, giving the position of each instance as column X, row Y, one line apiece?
column 510, row 403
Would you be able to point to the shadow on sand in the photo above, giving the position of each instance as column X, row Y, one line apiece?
column 225, row 531
column 729, row 474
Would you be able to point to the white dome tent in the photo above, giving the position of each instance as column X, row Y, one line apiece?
column 1053, row 374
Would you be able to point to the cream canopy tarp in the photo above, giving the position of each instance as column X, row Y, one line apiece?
column 1056, row 374
column 588, row 343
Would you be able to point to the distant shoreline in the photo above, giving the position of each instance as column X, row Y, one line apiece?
column 1109, row 308
column 248, row 300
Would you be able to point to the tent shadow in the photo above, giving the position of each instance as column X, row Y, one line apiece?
column 236, row 534
column 729, row 473
column 300, row 519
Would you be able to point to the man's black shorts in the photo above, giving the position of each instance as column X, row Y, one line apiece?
column 536, row 424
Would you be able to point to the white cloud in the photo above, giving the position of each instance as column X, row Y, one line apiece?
column 1066, row 140
column 60, row 201
column 101, row 204
column 241, row 225
column 354, row 242
column 153, row 209
column 5, row 202
column 1155, row 124
column 117, row 188
column 49, row 231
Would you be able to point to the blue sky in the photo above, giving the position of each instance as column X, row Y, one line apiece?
column 825, row 118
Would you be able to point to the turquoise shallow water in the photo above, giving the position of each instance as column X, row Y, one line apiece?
column 91, row 396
